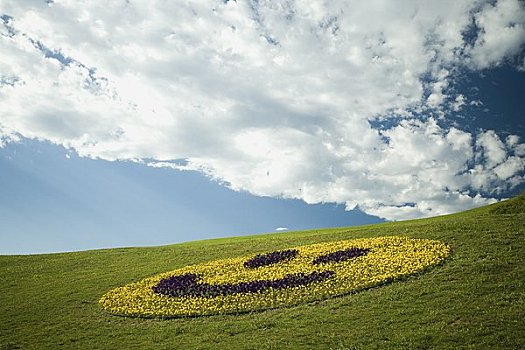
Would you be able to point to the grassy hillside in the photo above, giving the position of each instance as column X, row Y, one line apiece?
column 476, row 300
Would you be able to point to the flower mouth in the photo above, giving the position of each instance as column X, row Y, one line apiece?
column 188, row 285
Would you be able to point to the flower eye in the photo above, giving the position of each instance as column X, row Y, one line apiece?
column 340, row 255
column 270, row 258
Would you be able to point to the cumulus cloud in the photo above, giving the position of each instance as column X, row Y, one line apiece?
column 458, row 103
column 277, row 98
column 502, row 33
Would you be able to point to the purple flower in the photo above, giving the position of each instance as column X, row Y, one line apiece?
column 341, row 255
column 188, row 285
column 270, row 258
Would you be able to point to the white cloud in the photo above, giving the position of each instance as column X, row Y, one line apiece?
column 437, row 97
column 510, row 167
column 502, row 32
column 491, row 148
column 458, row 103
column 274, row 98
column 281, row 229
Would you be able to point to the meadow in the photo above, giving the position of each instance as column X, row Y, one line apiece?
column 475, row 299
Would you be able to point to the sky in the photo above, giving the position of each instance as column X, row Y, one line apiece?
column 130, row 123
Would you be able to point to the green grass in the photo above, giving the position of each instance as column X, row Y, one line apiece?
column 476, row 300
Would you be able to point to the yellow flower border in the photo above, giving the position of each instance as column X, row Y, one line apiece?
column 389, row 258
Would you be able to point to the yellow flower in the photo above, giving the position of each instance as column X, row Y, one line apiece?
column 363, row 263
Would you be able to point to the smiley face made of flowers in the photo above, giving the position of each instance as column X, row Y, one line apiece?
column 275, row 279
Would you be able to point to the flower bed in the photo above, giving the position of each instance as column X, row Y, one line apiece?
column 275, row 279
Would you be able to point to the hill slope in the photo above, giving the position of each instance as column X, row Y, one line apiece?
column 475, row 300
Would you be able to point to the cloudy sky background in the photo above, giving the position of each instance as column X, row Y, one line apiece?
column 400, row 110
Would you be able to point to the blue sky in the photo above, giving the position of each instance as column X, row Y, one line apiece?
column 147, row 123
column 52, row 200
